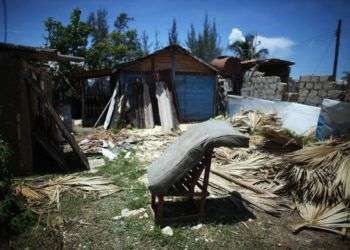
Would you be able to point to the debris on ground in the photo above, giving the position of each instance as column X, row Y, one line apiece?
column 335, row 219
column 95, row 163
column 167, row 231
column 126, row 213
column 37, row 191
column 249, row 121
column 197, row 227
column 94, row 143
column 249, row 175
column 266, row 131
column 319, row 173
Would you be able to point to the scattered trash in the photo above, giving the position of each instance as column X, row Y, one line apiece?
column 95, row 163
column 109, row 153
column 127, row 155
column 197, row 227
column 126, row 213
column 168, row 231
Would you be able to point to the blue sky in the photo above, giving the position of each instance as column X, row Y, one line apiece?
column 301, row 31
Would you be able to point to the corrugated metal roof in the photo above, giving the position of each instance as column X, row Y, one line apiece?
column 35, row 53
column 267, row 61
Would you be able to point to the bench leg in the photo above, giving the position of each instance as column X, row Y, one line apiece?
column 157, row 206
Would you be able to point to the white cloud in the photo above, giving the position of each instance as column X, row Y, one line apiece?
column 277, row 46
column 236, row 35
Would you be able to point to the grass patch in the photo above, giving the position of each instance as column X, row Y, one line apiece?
column 125, row 173
column 122, row 171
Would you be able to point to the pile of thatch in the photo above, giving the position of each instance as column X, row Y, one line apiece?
column 38, row 191
column 318, row 177
column 319, row 173
column 249, row 121
column 248, row 175
column 334, row 219
column 266, row 131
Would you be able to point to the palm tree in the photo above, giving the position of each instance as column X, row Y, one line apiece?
column 346, row 76
column 247, row 49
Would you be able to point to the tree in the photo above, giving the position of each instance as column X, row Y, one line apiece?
column 98, row 25
column 205, row 45
column 145, row 44
column 156, row 41
column 191, row 42
column 121, row 22
column 247, row 49
column 346, row 76
column 172, row 34
column 71, row 39
column 119, row 46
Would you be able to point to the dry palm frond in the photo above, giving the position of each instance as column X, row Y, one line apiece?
column 323, row 217
column 28, row 193
column 342, row 179
column 319, row 173
column 251, row 121
column 278, row 139
column 267, row 131
column 53, row 189
column 249, row 177
column 220, row 187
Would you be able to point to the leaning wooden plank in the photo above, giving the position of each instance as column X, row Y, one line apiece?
column 102, row 113
column 52, row 150
column 118, row 110
column 61, row 126
column 110, row 109
column 243, row 184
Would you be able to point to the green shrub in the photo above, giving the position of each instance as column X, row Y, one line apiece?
column 14, row 216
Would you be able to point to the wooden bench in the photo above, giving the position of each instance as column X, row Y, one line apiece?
column 183, row 170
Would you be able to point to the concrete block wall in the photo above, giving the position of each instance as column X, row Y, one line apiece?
column 313, row 89
column 255, row 84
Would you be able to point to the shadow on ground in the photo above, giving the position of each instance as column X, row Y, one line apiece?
column 218, row 211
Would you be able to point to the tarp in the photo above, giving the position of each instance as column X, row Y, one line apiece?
column 296, row 117
column 334, row 119
column 187, row 151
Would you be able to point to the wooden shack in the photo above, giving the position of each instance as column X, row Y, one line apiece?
column 270, row 67
column 96, row 87
column 191, row 81
column 29, row 123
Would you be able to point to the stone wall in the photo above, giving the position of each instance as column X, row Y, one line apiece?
column 255, row 84
column 313, row 89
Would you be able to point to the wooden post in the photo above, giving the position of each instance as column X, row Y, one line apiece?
column 336, row 53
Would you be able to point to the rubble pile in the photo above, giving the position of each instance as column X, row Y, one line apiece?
column 107, row 143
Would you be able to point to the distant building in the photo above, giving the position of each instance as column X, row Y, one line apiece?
column 190, row 80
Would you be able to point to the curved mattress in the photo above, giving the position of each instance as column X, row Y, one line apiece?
column 187, row 151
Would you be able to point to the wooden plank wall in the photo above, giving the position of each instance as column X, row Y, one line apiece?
column 14, row 114
column 162, row 61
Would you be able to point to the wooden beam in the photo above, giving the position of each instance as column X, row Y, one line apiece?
column 52, row 150
column 61, row 126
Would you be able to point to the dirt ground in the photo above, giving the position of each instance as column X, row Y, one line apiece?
column 87, row 222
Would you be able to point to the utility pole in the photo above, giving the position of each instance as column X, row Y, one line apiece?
column 5, row 20
column 337, row 44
